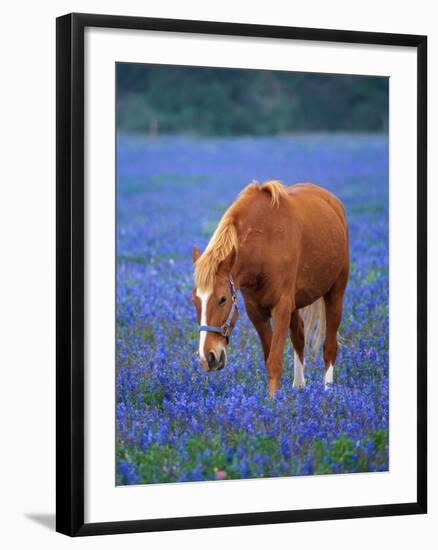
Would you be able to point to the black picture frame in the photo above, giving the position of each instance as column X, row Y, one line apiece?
column 70, row 273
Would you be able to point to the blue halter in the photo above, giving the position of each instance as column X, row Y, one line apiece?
column 225, row 329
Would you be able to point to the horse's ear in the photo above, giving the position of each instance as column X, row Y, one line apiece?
column 195, row 253
column 227, row 264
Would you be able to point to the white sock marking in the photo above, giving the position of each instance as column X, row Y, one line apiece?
column 204, row 297
column 328, row 377
column 299, row 380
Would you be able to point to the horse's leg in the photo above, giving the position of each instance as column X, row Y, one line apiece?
column 281, row 315
column 333, row 305
column 297, row 337
column 262, row 324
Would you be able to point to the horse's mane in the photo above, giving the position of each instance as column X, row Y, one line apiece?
column 274, row 188
column 224, row 239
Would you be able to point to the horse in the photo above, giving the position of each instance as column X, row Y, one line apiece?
column 286, row 249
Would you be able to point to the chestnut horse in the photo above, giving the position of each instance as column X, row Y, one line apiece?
column 286, row 250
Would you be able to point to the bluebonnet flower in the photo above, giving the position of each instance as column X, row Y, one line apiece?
column 174, row 422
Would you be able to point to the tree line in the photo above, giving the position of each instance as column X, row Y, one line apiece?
column 164, row 99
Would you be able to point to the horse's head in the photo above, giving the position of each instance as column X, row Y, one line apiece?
column 216, row 311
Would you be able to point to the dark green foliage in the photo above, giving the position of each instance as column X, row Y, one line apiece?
column 206, row 456
column 212, row 101
column 345, row 455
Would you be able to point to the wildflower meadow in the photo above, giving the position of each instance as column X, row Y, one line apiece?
column 176, row 423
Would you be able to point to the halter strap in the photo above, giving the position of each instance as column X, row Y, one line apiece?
column 225, row 329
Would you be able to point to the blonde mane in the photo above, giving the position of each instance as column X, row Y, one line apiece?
column 221, row 244
column 274, row 188
column 224, row 239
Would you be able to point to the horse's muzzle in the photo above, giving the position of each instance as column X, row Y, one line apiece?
column 214, row 363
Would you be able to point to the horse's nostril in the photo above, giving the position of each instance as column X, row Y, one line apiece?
column 222, row 360
column 211, row 359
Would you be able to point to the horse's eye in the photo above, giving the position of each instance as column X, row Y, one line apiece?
column 222, row 300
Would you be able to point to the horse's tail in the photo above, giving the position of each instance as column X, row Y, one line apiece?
column 314, row 324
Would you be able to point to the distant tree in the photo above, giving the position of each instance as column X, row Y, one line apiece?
column 213, row 101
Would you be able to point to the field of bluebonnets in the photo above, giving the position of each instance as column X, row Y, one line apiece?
column 177, row 423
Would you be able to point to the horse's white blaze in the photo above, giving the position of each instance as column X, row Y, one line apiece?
column 204, row 297
column 328, row 377
column 299, row 380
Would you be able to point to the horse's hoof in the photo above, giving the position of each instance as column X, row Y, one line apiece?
column 299, row 385
column 272, row 392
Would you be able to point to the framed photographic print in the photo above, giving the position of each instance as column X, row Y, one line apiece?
column 241, row 274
